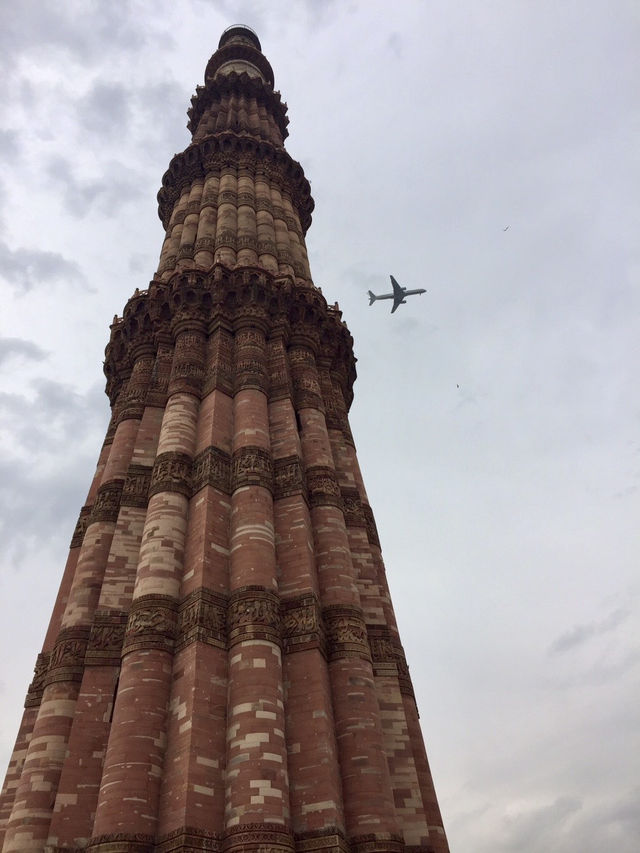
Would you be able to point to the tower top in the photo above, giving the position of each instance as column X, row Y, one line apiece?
column 239, row 50
column 240, row 32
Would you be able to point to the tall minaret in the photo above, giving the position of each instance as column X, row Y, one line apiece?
column 222, row 670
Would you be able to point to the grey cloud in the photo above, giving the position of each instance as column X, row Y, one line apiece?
column 20, row 348
column 395, row 44
column 89, row 31
column 107, row 194
column 106, row 110
column 581, row 633
column 42, row 422
column 9, row 149
column 539, row 828
column 26, row 269
column 36, row 498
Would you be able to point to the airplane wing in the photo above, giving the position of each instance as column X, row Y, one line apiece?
column 398, row 293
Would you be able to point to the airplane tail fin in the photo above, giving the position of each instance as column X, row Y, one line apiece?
column 372, row 297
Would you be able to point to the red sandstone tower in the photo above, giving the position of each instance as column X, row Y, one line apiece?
column 222, row 670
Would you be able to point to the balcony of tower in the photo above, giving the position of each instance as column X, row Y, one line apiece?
column 235, row 196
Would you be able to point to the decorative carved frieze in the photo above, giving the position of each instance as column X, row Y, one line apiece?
column 381, row 643
column 106, row 638
column 253, row 614
column 287, row 477
column 257, row 838
column 372, row 530
column 346, row 632
column 329, row 840
column 250, row 356
column 219, row 373
column 202, row 617
column 380, row 842
column 151, row 624
column 186, row 251
column 322, row 486
column 302, row 626
column 267, row 247
column 121, row 842
column 404, row 679
column 189, row 838
column 352, row 507
column 107, row 504
column 66, row 662
column 251, row 466
column 212, row 467
column 81, row 525
column 197, row 303
column 133, row 397
column 36, row 688
column 205, row 244
column 187, row 370
column 171, row 473
column 136, row 486
column 160, row 375
column 247, row 241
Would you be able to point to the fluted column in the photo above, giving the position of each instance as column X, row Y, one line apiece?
column 36, row 792
column 206, row 237
column 227, row 221
column 74, row 811
column 193, row 785
column 368, row 802
column 257, row 788
column 380, row 621
column 129, row 793
column 35, row 690
column 314, row 776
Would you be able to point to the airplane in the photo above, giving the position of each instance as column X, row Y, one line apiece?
column 398, row 294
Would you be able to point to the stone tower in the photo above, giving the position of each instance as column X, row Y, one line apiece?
column 222, row 670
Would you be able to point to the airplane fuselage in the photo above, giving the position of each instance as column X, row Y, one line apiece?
column 406, row 293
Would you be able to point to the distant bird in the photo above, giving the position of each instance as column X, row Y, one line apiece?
column 506, row 229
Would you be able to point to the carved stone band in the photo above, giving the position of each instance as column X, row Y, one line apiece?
column 253, row 614
column 287, row 476
column 202, row 617
column 252, row 466
column 372, row 530
column 120, row 842
column 171, row 473
column 346, row 632
column 81, row 526
column 329, row 840
column 322, row 486
column 352, row 508
column 381, row 643
column 212, row 467
column 67, row 658
column 36, row 688
column 106, row 639
column 257, row 838
column 189, row 838
column 302, row 624
column 107, row 503
column 381, row 842
column 151, row 624
column 136, row 486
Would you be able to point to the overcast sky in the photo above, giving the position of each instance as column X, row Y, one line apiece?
column 487, row 151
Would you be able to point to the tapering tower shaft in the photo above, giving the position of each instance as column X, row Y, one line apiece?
column 223, row 669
